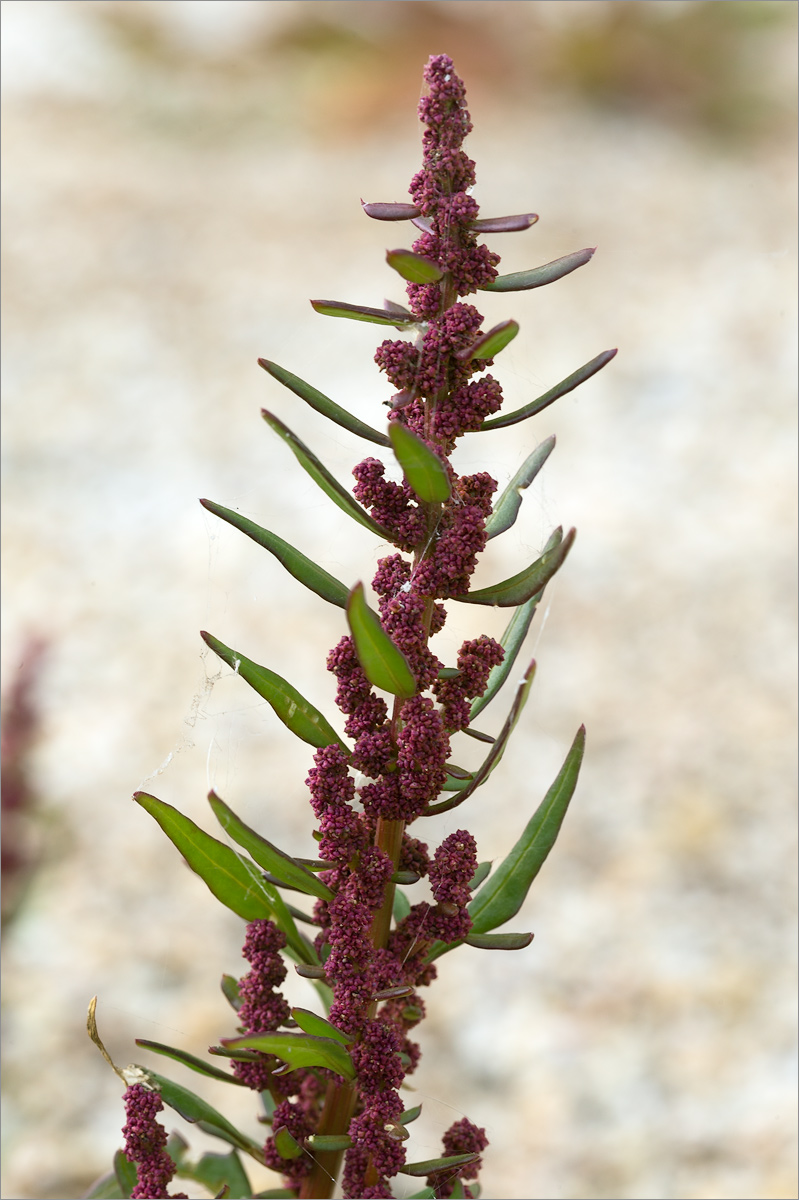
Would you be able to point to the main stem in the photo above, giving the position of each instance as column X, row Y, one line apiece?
column 341, row 1098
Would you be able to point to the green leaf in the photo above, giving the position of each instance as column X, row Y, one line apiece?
column 499, row 941
column 230, row 990
column 198, row 1112
column 309, row 1022
column 483, row 870
column 522, row 281
column 410, row 1114
column 286, row 1144
column 320, row 1142
column 302, row 568
column 293, row 709
column 383, row 663
column 107, row 1187
column 234, row 882
column 511, row 640
column 438, row 1164
column 296, row 945
column 282, row 865
column 402, row 906
column 298, row 1050
column 356, row 312
column 126, row 1174
column 414, row 267
column 320, row 475
column 321, row 403
column 503, row 894
column 495, row 753
column 507, row 507
column 424, row 470
column 489, row 344
column 215, row 1172
column 523, row 586
column 188, row 1060
column 560, row 389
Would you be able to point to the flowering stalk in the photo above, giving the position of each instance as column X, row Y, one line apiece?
column 331, row 1085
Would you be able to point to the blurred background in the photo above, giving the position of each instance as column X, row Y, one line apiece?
column 179, row 179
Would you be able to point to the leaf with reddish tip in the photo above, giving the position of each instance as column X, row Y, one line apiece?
column 560, row 389
column 293, row 709
column 424, row 470
column 506, row 509
column 320, row 475
column 504, row 892
column 383, row 663
column 234, row 881
column 523, row 281
column 298, row 1050
column 499, row 941
column 321, row 403
column 385, row 211
column 286, row 869
column 489, row 344
column 414, row 267
column 523, row 586
column 302, row 568
column 357, row 312
column 503, row 224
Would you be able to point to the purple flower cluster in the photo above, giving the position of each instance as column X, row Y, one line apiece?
column 263, row 1008
column 145, row 1144
column 461, row 1138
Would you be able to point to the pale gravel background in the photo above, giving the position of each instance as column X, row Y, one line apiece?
column 644, row 1046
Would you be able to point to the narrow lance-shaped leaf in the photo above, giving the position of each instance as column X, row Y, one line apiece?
column 414, row 267
column 238, row 886
column 532, row 579
column 198, row 1112
column 293, row 709
column 125, row 1173
column 511, row 640
column 489, row 344
column 386, row 211
column 499, row 941
column 424, row 470
column 503, row 224
column 320, row 1142
column 298, row 946
column 522, row 281
column 560, row 389
column 322, row 403
column 189, row 1060
column 503, row 893
column 282, row 865
column 320, row 475
column 438, row 1164
column 357, row 312
column 507, row 507
column 298, row 1050
column 495, row 753
column 302, row 568
column 383, row 663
